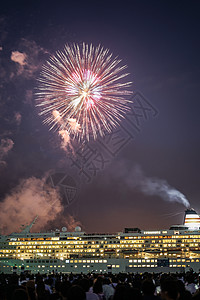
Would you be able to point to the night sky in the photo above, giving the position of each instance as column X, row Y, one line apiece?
column 159, row 41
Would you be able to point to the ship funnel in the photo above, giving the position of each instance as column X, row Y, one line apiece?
column 192, row 219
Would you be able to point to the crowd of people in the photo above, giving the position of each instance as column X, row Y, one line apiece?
column 146, row 286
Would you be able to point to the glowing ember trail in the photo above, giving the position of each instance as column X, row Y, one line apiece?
column 81, row 92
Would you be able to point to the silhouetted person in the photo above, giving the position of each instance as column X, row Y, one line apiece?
column 42, row 294
column 125, row 292
column 119, row 292
column 20, row 294
column 132, row 294
column 184, row 294
column 190, row 286
column 64, row 288
column 30, row 287
column 98, row 288
column 76, row 292
column 108, row 289
column 148, row 289
column 169, row 289
column 85, row 284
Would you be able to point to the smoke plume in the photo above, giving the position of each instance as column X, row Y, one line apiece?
column 152, row 186
column 30, row 198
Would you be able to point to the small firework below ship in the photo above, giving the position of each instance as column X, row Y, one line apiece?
column 133, row 250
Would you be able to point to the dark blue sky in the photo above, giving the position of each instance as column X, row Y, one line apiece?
column 159, row 41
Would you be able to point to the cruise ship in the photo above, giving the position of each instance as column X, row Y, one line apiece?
column 133, row 250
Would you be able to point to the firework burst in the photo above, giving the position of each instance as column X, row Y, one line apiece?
column 82, row 93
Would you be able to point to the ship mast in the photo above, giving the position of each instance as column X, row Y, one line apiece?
column 28, row 227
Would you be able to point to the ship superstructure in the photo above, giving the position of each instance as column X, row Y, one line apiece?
column 132, row 250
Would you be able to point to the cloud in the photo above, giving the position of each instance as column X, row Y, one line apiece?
column 19, row 57
column 31, row 198
column 18, row 118
column 3, row 165
column 29, row 58
column 29, row 97
column 5, row 146
column 27, row 200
